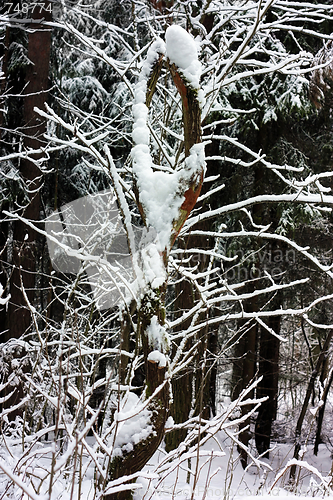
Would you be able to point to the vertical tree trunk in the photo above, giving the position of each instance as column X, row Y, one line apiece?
column 25, row 238
column 182, row 386
column 10, row 120
column 249, row 368
column 244, row 367
column 204, row 383
column 198, row 377
column 135, row 460
column 152, row 303
column 22, row 283
column 3, row 224
column 3, row 270
column 269, row 370
column 182, row 391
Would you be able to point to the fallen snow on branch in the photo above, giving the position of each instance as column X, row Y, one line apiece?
column 133, row 425
column 162, row 193
column 6, row 299
column 152, row 266
column 182, row 51
column 156, row 50
column 157, row 336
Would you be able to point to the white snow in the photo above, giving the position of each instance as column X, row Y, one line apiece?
column 221, row 476
column 157, row 357
column 133, row 425
column 153, row 268
column 219, row 473
column 196, row 158
column 5, row 300
column 157, row 336
column 159, row 191
column 182, row 50
column 169, row 424
column 157, row 49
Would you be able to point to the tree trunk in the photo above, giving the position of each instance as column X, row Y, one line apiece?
column 3, row 269
column 182, row 386
column 269, row 370
column 152, row 304
column 248, row 375
column 135, row 460
column 182, row 391
column 204, row 383
column 198, row 376
column 244, row 368
column 22, row 283
column 22, row 286
column 10, row 121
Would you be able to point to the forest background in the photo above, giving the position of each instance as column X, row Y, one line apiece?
column 166, row 240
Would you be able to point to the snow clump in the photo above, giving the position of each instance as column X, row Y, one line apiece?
column 133, row 425
column 157, row 357
column 157, row 336
column 153, row 268
column 156, row 50
column 169, row 424
column 182, row 51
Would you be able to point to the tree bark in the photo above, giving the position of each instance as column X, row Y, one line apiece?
column 25, row 238
column 182, row 390
column 22, row 282
column 244, row 368
column 248, row 375
column 269, row 370
column 10, row 122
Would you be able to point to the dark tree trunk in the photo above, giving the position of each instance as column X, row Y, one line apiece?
column 249, row 366
column 212, row 370
column 269, row 370
column 244, row 368
column 182, row 384
column 3, row 268
column 134, row 461
column 22, row 287
column 10, row 120
column 201, row 377
column 24, row 251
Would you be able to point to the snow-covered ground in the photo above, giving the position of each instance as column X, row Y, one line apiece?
column 214, row 472
column 216, row 477
column 224, row 477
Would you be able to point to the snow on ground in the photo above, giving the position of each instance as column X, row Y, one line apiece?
column 220, row 477
column 224, row 477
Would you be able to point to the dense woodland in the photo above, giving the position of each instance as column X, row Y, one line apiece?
column 166, row 238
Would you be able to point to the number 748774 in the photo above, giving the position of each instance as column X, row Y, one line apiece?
column 26, row 7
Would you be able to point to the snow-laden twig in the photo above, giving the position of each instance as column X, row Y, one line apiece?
column 301, row 463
